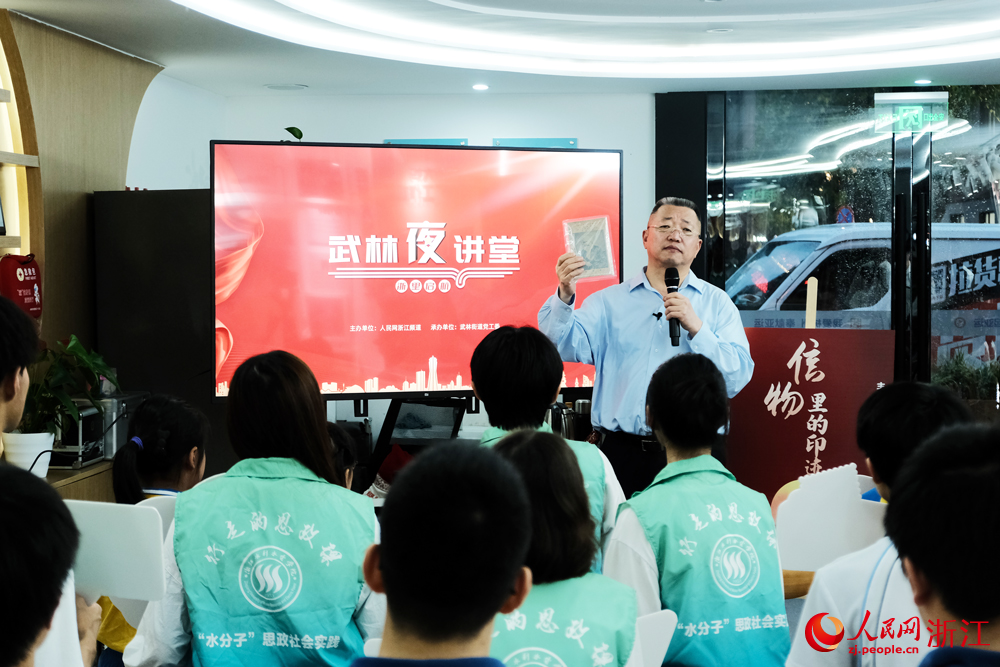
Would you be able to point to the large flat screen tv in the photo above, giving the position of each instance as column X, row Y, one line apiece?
column 382, row 267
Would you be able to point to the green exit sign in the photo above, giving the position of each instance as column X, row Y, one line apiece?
column 910, row 112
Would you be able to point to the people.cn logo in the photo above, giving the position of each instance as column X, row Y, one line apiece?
column 819, row 638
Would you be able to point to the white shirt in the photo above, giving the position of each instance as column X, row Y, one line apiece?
column 163, row 638
column 629, row 559
column 613, row 497
column 61, row 647
column 871, row 579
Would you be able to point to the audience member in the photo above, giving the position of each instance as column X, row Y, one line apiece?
column 517, row 374
column 38, row 542
column 164, row 455
column 455, row 533
column 695, row 540
column 868, row 587
column 266, row 559
column 71, row 638
column 572, row 615
column 948, row 537
column 345, row 457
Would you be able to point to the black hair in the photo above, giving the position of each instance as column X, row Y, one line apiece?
column 38, row 542
column 563, row 545
column 516, row 372
column 18, row 339
column 275, row 409
column 455, row 531
column 676, row 201
column 345, row 450
column 161, row 433
column 894, row 420
column 940, row 518
column 688, row 402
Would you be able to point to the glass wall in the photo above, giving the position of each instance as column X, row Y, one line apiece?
column 807, row 192
column 965, row 248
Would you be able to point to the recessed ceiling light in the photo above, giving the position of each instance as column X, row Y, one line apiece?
column 922, row 82
column 713, row 0
column 718, row 30
column 480, row 86
column 286, row 86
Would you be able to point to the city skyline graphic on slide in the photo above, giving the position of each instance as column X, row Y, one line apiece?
column 424, row 380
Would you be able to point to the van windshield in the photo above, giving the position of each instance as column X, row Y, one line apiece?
column 756, row 280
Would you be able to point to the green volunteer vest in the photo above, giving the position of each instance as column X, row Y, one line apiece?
column 270, row 557
column 717, row 557
column 589, row 620
column 592, row 468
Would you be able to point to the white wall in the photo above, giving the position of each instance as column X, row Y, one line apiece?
column 170, row 141
column 176, row 122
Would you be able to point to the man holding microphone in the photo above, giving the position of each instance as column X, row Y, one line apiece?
column 624, row 331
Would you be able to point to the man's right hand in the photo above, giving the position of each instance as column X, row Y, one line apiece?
column 568, row 269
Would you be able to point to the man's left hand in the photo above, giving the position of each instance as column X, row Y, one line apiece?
column 677, row 307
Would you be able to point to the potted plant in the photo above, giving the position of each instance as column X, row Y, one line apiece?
column 57, row 376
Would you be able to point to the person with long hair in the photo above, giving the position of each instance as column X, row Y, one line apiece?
column 697, row 541
column 266, row 565
column 164, row 455
column 578, row 616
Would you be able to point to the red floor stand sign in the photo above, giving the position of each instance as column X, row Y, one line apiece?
column 798, row 414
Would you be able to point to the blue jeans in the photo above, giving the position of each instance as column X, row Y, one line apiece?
column 110, row 658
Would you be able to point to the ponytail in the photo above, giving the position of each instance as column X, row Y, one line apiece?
column 162, row 431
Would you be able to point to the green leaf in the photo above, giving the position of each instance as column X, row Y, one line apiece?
column 295, row 132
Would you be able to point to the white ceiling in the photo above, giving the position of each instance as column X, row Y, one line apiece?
column 550, row 46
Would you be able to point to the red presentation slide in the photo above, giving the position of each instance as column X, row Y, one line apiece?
column 382, row 267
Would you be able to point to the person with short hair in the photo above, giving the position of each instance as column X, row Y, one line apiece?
column 944, row 523
column 18, row 349
column 38, row 542
column 576, row 617
column 869, row 583
column 71, row 638
column 266, row 559
column 697, row 541
column 517, row 373
column 456, row 527
column 623, row 330
column 163, row 456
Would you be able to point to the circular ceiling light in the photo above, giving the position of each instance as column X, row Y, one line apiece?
column 286, row 86
column 720, row 30
column 922, row 82
column 480, row 86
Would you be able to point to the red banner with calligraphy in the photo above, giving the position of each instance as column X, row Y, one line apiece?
column 799, row 412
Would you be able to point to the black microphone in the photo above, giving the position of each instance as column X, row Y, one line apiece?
column 657, row 316
column 673, row 280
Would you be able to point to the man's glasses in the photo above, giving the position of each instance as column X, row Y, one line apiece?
column 666, row 230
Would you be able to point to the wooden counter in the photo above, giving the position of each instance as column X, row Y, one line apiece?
column 90, row 483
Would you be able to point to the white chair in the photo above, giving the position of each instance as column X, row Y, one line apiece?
column 825, row 518
column 121, row 551
column 132, row 610
column 372, row 647
column 654, row 632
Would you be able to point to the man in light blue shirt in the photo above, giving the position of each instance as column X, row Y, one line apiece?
column 623, row 331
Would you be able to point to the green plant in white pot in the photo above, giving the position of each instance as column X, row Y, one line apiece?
column 59, row 374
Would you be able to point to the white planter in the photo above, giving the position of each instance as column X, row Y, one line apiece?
column 21, row 450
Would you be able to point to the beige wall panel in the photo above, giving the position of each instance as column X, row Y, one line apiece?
column 85, row 98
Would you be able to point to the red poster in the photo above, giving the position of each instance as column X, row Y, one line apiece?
column 799, row 412
column 383, row 267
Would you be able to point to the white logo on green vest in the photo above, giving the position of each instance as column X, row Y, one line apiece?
column 533, row 657
column 270, row 579
column 735, row 566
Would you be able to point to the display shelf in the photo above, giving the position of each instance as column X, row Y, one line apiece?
column 19, row 159
column 10, row 241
